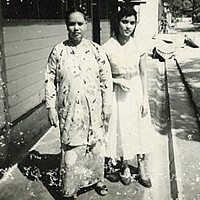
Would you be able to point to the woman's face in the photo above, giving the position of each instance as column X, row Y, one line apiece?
column 127, row 25
column 76, row 27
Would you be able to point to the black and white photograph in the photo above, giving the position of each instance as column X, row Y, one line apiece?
column 99, row 99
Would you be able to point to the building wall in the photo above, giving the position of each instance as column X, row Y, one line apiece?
column 2, row 113
column 104, row 31
column 148, row 20
column 26, row 47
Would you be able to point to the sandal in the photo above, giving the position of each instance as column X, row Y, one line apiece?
column 70, row 195
column 114, row 177
column 101, row 189
column 125, row 180
column 144, row 182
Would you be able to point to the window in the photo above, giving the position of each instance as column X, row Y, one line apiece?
column 33, row 9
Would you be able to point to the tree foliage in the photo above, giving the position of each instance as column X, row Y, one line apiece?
column 177, row 7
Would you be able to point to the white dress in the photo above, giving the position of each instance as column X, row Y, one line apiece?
column 129, row 133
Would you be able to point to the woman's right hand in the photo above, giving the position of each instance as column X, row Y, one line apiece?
column 53, row 117
column 144, row 108
column 124, row 83
column 106, row 123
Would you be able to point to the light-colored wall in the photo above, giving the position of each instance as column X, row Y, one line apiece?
column 148, row 23
column 26, row 50
column 105, row 31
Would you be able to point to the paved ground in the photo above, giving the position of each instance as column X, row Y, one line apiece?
column 35, row 178
column 18, row 186
column 21, row 182
column 185, row 116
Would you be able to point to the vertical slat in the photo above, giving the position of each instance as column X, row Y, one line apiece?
column 96, row 21
column 5, row 116
column 3, row 72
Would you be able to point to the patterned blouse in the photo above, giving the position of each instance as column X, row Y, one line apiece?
column 78, row 81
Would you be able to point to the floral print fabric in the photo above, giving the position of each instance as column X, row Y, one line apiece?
column 80, row 76
column 78, row 81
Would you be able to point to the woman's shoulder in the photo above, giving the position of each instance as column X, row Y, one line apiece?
column 139, row 44
column 110, row 44
column 135, row 40
column 94, row 46
column 57, row 49
column 60, row 45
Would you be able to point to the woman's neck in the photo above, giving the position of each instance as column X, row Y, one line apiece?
column 123, row 39
column 75, row 42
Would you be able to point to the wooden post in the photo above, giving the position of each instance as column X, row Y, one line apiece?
column 95, row 21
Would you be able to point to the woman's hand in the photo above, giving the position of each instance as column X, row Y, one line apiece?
column 106, row 122
column 53, row 117
column 124, row 83
column 144, row 108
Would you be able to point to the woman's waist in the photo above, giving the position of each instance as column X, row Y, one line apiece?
column 127, row 76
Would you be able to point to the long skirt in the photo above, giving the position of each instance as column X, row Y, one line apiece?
column 129, row 133
column 81, row 166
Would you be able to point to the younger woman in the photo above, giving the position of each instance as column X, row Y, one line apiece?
column 130, row 103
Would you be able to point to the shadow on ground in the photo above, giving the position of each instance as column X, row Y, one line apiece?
column 181, row 111
column 192, row 76
column 45, row 168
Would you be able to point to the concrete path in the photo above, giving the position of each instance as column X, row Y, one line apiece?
column 26, row 182
column 185, row 126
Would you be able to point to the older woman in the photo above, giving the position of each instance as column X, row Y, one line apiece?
column 78, row 73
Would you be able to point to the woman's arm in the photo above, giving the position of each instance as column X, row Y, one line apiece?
column 106, row 85
column 143, row 75
column 51, row 87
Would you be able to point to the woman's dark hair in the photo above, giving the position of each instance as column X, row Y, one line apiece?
column 125, row 11
column 75, row 9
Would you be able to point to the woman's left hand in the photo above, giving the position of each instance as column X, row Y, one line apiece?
column 144, row 108
column 106, row 122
